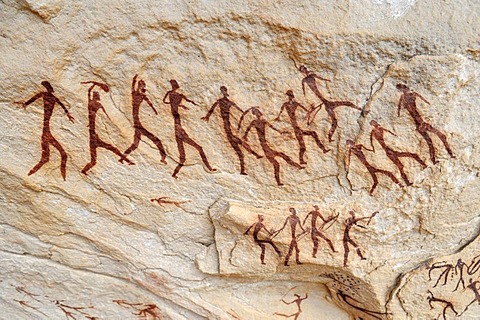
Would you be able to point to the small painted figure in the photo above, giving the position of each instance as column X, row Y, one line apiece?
column 298, row 302
column 174, row 99
column 446, row 304
column 351, row 222
column 294, row 221
column 257, row 227
column 407, row 101
column 317, row 233
column 474, row 286
column 49, row 101
column 448, row 267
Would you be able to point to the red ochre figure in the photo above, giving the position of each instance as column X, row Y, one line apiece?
column 294, row 221
column 330, row 106
column 356, row 149
column 261, row 125
column 94, row 105
column 317, row 233
column 138, row 96
column 225, row 106
column 257, row 227
column 446, row 304
column 298, row 302
column 291, row 106
column 407, row 101
column 174, row 100
column 49, row 101
column 378, row 134
column 349, row 224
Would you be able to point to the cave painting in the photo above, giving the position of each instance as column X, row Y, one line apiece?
column 261, row 125
column 162, row 201
column 174, row 99
column 226, row 105
column 408, row 102
column 142, row 310
column 293, row 220
column 446, row 305
column 257, row 227
column 94, row 104
column 298, row 301
column 291, row 106
column 351, row 222
column 139, row 90
column 318, row 232
column 49, row 101
column 354, row 303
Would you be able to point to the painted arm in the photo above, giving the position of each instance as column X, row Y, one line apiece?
column 302, row 107
column 165, row 98
column 150, row 105
column 280, row 113
column 349, row 154
column 390, row 132
column 250, row 126
column 303, row 86
column 371, row 150
column 237, row 107
column 32, row 99
column 318, row 77
column 105, row 111
column 246, row 232
column 279, row 131
column 305, row 220
column 70, row 118
column 371, row 141
column 399, row 106
column 300, row 224
column 418, row 95
column 287, row 302
column 283, row 227
column 134, row 81
column 209, row 113
column 191, row 101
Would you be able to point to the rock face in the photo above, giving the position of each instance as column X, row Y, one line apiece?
column 240, row 160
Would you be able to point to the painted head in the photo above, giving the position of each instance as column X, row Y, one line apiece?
column 293, row 211
column 374, row 123
column 174, row 84
column 47, row 86
column 401, row 87
column 315, row 207
column 351, row 213
column 256, row 112
column 303, row 69
column 96, row 96
column 260, row 217
column 224, row 91
column 350, row 143
column 297, row 295
column 289, row 93
column 142, row 86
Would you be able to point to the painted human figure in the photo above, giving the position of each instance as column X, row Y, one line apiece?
column 446, row 304
column 261, row 125
column 298, row 302
column 226, row 105
column 174, row 99
column 138, row 96
column 448, row 267
column 49, row 101
column 317, row 233
column 291, row 106
column 474, row 286
column 351, row 222
column 407, row 101
column 294, row 221
column 356, row 149
column 378, row 134
column 257, row 227
column 94, row 104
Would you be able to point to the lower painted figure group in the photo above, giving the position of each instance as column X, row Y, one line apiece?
column 263, row 236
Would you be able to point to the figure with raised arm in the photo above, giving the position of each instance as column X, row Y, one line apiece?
column 174, row 99
column 298, row 302
column 257, row 227
column 226, row 106
column 408, row 102
column 293, row 220
column 138, row 96
column 356, row 149
column 317, row 233
column 49, row 101
column 94, row 104
column 351, row 222
column 291, row 106
column 261, row 125
column 378, row 134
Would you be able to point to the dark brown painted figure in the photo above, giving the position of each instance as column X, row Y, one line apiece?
column 49, row 101
column 94, row 104
column 174, row 99
column 446, row 304
column 354, row 303
column 474, row 286
column 226, row 106
column 138, row 96
column 378, row 134
column 257, row 227
column 447, row 268
column 261, row 125
column 298, row 302
column 356, row 149
column 291, row 106
column 407, row 101
column 317, row 233
column 351, row 222
column 293, row 220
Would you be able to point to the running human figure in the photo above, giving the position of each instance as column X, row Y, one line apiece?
column 298, row 302
column 174, row 99
column 94, row 104
column 446, row 304
column 317, row 233
column 257, row 227
column 49, row 101
column 261, row 125
column 226, row 105
column 356, row 149
column 294, row 221
column 291, row 106
column 407, row 101
column 138, row 96
column 378, row 134
column 350, row 222
column 475, row 287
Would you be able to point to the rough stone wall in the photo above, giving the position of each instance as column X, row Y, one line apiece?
column 129, row 241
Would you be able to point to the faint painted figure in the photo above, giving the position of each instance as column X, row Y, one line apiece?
column 474, row 286
column 351, row 222
column 138, row 96
column 291, row 106
column 49, row 101
column 317, row 232
column 356, row 149
column 260, row 124
column 226, row 106
column 407, row 101
column 378, row 134
column 257, row 227
column 446, row 304
column 174, row 99
column 298, row 302
column 293, row 220
column 94, row 104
